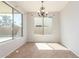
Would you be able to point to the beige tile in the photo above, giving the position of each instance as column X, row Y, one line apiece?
column 30, row 50
column 57, row 46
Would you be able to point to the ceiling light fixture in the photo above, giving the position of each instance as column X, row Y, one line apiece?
column 42, row 12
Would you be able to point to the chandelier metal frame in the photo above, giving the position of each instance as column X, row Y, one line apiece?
column 42, row 12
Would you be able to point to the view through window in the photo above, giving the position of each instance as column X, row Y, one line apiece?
column 43, row 26
column 10, row 22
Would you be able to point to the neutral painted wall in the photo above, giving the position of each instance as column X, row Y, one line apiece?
column 9, row 46
column 55, row 37
column 70, row 26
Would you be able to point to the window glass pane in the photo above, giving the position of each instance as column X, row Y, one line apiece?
column 17, row 24
column 5, row 22
column 38, row 25
column 43, row 26
column 48, row 25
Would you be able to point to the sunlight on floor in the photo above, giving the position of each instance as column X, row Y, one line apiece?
column 50, row 46
column 43, row 46
column 57, row 46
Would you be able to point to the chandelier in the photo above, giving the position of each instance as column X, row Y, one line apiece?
column 42, row 12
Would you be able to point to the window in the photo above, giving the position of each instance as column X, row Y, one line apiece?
column 17, row 32
column 43, row 26
column 10, row 22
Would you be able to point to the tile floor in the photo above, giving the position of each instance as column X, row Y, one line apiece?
column 42, row 50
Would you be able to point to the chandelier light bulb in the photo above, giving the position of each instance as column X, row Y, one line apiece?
column 46, row 12
column 42, row 10
column 38, row 11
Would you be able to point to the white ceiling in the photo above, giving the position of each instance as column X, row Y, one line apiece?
column 33, row 6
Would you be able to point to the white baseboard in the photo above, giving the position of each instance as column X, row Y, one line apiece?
column 77, row 54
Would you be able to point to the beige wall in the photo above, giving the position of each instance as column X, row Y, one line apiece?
column 70, row 26
column 54, row 37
